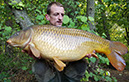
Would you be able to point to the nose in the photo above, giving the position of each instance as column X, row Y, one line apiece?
column 60, row 16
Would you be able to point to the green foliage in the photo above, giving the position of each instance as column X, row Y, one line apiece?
column 91, row 18
column 6, row 31
column 3, row 76
column 17, row 5
column 92, row 59
column 114, row 13
column 36, row 11
column 11, row 60
column 66, row 19
column 103, row 60
column 116, row 17
column 69, row 22
column 99, row 75
column 72, row 6
column 24, row 68
column 82, row 18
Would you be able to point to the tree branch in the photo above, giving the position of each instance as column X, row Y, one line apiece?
column 90, row 12
column 21, row 15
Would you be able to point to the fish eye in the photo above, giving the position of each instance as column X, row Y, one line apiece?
column 17, row 33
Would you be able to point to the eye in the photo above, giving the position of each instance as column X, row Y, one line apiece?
column 62, row 14
column 17, row 33
column 56, row 14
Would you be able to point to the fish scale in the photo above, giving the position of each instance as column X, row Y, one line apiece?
column 66, row 44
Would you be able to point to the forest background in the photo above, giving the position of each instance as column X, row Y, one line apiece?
column 106, row 18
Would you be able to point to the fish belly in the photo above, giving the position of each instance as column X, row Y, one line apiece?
column 65, row 49
column 66, row 46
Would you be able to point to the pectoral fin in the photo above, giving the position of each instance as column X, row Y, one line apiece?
column 59, row 64
column 35, row 52
column 92, row 55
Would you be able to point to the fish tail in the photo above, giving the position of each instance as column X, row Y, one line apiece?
column 117, row 49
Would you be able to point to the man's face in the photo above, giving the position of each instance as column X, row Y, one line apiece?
column 56, row 16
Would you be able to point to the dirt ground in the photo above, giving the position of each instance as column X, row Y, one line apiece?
column 23, row 76
column 120, row 76
column 26, row 77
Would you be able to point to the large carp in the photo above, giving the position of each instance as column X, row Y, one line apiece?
column 66, row 44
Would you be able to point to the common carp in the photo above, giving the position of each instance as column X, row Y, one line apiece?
column 61, row 45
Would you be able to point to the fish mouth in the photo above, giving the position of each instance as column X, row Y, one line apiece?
column 10, row 43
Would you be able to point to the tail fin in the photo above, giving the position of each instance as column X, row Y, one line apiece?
column 120, row 48
column 117, row 49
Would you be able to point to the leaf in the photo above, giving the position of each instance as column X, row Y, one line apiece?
column 43, row 22
column 76, row 12
column 104, row 34
column 91, row 74
column 84, row 27
column 96, row 78
column 0, row 27
column 79, row 17
column 107, row 61
column 30, row 72
column 24, row 68
column 39, row 17
column 91, row 18
column 106, row 1
column 7, row 30
column 21, row 17
column 108, row 78
column 21, row 4
column 72, row 24
column 66, row 19
column 93, row 59
column 37, row 10
column 84, row 19
column 115, row 80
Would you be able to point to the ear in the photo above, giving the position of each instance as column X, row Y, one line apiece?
column 47, row 17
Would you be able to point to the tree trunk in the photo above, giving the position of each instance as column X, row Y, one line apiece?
column 21, row 16
column 90, row 12
column 104, row 22
column 105, row 26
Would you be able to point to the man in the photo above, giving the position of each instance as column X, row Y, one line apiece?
column 45, row 72
column 55, row 13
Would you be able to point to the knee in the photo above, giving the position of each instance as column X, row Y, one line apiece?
column 43, row 72
column 76, row 70
column 39, row 67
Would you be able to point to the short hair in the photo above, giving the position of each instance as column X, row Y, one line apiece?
column 52, row 3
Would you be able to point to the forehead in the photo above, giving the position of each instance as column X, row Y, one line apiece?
column 57, row 9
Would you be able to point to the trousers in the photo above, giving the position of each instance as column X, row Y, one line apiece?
column 73, row 72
